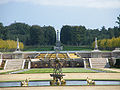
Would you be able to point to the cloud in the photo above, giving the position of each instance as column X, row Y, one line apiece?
column 72, row 3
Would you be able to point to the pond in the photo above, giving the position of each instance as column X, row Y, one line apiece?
column 68, row 83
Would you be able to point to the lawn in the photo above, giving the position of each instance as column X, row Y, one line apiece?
column 64, row 70
column 50, row 48
column 76, row 70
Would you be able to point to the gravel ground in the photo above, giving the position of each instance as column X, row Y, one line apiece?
column 111, row 69
column 65, row 88
column 46, row 76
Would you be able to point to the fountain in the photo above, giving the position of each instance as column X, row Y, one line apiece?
column 90, row 81
column 25, row 83
column 57, row 73
column 57, row 65
column 68, row 83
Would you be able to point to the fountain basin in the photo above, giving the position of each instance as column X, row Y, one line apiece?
column 68, row 83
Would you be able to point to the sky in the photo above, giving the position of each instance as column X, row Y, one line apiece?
column 89, row 13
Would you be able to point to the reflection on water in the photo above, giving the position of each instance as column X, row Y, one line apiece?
column 9, row 84
column 47, row 83
column 39, row 83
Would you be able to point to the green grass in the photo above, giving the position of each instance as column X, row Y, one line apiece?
column 38, row 48
column 76, row 48
column 1, row 68
column 76, row 70
column 64, row 70
column 65, row 48
column 50, row 48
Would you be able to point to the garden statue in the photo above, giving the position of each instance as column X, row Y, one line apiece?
column 90, row 81
column 57, row 74
column 25, row 82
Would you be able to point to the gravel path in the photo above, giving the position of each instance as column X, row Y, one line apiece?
column 46, row 76
column 15, row 72
column 111, row 69
column 65, row 88
column 2, row 71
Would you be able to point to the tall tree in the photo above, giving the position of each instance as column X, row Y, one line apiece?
column 42, row 35
column 49, row 35
column 118, row 22
column 36, row 35
column 20, row 30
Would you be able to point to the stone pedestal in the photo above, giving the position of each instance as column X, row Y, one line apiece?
column 18, row 55
column 96, row 54
column 58, row 48
column 116, row 53
column 57, row 80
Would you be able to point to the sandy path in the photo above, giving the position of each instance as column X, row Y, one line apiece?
column 46, row 76
column 1, row 71
column 111, row 69
column 65, row 88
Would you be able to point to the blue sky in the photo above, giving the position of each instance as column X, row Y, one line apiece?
column 90, row 13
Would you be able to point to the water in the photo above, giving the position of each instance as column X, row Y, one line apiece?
column 47, row 83
column 39, row 83
column 9, row 84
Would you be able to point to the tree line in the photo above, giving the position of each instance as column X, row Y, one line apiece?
column 46, row 35
column 79, row 35
column 29, row 35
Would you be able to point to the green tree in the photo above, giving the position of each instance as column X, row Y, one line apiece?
column 20, row 30
column 118, row 22
column 42, row 35
column 49, row 35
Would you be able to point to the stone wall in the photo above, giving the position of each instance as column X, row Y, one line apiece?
column 31, row 55
column 65, row 63
column 25, row 55
column 8, row 56
column 85, row 55
column 106, row 54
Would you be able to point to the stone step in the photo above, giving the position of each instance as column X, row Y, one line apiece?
column 98, row 62
column 14, row 64
column 98, row 65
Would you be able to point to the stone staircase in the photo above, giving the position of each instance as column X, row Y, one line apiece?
column 99, row 63
column 14, row 64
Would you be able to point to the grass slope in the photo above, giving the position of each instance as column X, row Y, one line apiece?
column 64, row 70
